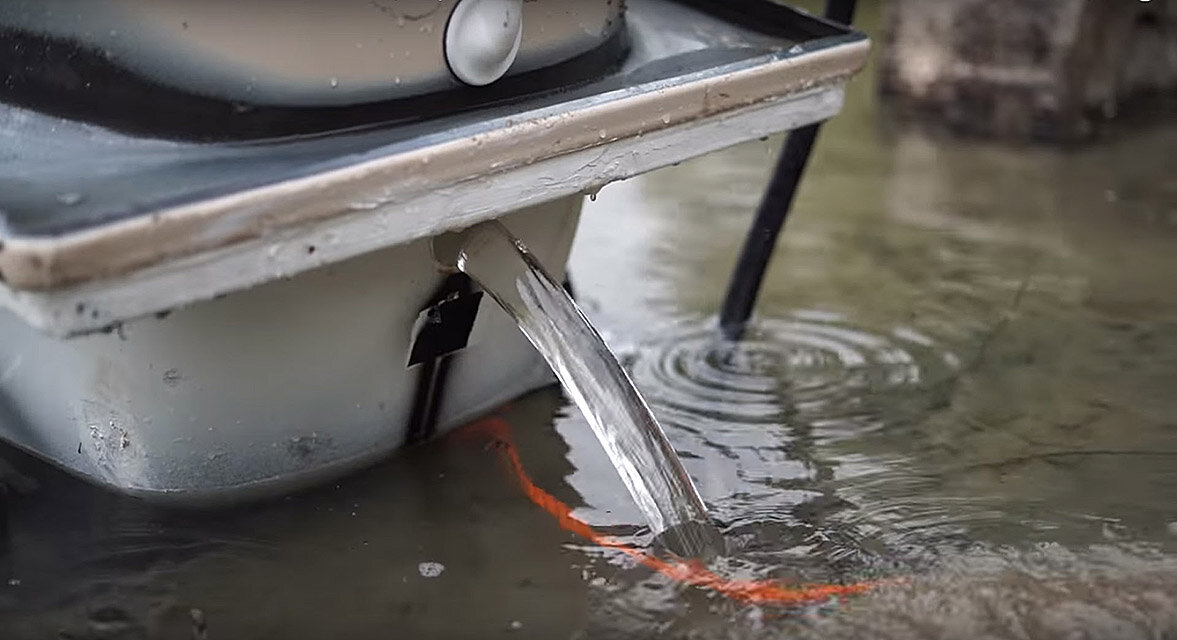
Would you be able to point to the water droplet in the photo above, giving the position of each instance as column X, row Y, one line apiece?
column 363, row 205
column 665, row 119
column 603, row 134
column 69, row 199
column 516, row 625
column 430, row 569
column 334, row 82
column 199, row 621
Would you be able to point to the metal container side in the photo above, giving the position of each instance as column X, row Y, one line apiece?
column 693, row 84
column 267, row 390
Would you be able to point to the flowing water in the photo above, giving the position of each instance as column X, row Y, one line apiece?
column 593, row 378
column 961, row 375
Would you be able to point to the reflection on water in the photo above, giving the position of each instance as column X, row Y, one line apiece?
column 1049, row 593
column 964, row 352
column 358, row 559
column 962, row 372
column 753, row 415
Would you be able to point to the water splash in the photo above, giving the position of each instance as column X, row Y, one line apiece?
column 759, row 418
column 593, row 378
column 690, row 572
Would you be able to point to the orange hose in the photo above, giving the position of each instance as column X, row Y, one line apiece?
column 496, row 430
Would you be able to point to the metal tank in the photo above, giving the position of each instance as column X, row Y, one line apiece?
column 215, row 217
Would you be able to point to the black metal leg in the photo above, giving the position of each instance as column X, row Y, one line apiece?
column 744, row 286
column 762, row 236
column 840, row 11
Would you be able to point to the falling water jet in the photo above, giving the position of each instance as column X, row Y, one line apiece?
column 590, row 373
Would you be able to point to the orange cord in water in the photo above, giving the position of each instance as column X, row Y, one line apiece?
column 497, row 431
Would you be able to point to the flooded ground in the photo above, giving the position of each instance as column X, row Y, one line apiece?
column 961, row 380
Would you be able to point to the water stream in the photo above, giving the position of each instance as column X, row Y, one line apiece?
column 594, row 379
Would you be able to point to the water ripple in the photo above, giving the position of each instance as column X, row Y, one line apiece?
column 810, row 365
column 750, row 420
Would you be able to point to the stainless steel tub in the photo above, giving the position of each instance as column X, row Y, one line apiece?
column 193, row 316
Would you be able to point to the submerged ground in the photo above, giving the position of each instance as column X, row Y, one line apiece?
column 962, row 374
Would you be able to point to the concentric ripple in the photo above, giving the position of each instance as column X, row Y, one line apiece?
column 812, row 365
column 750, row 419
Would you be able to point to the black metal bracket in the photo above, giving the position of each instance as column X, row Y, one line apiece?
column 442, row 329
column 744, row 286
